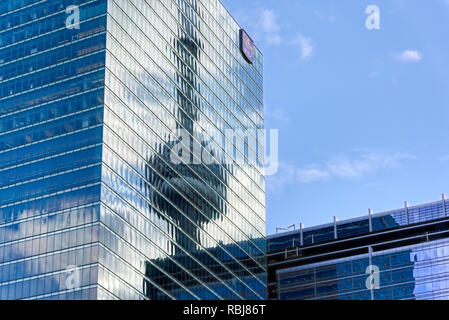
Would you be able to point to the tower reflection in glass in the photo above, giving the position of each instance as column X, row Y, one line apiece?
column 95, row 187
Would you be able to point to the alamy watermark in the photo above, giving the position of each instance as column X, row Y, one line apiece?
column 373, row 20
column 241, row 147
column 373, row 280
column 73, row 18
column 73, row 278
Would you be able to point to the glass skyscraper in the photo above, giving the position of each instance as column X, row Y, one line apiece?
column 397, row 255
column 94, row 96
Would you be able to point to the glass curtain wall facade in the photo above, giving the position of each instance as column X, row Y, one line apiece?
column 397, row 255
column 51, row 115
column 88, row 119
column 418, row 272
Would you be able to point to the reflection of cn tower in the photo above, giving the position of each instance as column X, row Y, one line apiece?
column 176, row 184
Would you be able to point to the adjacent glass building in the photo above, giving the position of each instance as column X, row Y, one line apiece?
column 397, row 255
column 92, row 205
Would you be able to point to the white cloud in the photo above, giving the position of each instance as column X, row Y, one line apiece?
column 367, row 164
column 305, row 45
column 270, row 27
column 273, row 39
column 276, row 114
column 268, row 21
column 262, row 24
column 264, row 27
column 410, row 56
column 311, row 174
column 322, row 16
column 340, row 167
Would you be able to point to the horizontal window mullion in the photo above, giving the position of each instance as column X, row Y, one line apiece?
column 171, row 115
column 180, row 211
column 50, row 32
column 255, row 229
column 179, row 228
column 167, row 257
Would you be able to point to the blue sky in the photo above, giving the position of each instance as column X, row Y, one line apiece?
column 362, row 114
